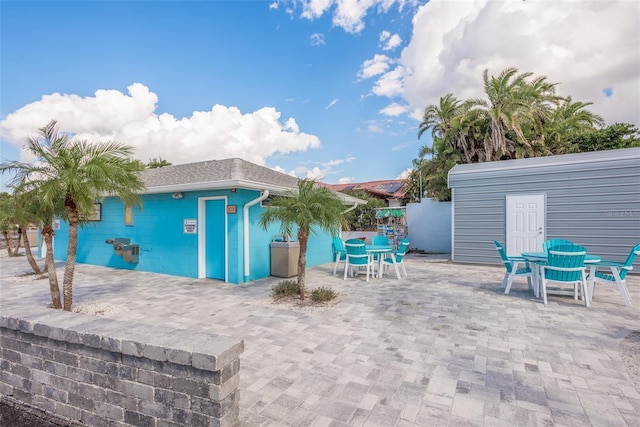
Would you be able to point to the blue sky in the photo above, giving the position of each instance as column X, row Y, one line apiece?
column 313, row 88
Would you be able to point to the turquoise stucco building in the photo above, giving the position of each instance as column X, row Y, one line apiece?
column 197, row 220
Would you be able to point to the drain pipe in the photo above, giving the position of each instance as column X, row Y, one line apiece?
column 355, row 205
column 245, row 212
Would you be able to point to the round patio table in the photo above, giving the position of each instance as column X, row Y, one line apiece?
column 380, row 250
column 535, row 258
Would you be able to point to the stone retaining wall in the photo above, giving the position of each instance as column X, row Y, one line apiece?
column 100, row 372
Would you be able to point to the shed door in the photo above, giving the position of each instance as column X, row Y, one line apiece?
column 215, row 236
column 525, row 223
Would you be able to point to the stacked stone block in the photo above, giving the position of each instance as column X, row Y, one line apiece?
column 103, row 372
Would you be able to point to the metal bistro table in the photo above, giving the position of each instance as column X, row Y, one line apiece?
column 536, row 257
column 380, row 250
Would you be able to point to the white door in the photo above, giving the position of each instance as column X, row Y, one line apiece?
column 525, row 223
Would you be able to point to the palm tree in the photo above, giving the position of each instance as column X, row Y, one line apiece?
column 157, row 163
column 514, row 106
column 568, row 119
column 440, row 117
column 7, row 219
column 76, row 174
column 29, row 207
column 309, row 207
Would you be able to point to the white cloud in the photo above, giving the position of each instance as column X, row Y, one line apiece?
column 388, row 41
column 315, row 173
column 375, row 128
column 332, row 103
column 347, row 14
column 394, row 110
column 405, row 173
column 282, row 170
column 374, row 67
column 321, row 169
column 317, row 39
column 390, row 84
column 312, row 9
column 222, row 132
column 337, row 162
column 346, row 180
column 586, row 46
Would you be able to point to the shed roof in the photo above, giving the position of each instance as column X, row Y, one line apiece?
column 222, row 174
column 541, row 162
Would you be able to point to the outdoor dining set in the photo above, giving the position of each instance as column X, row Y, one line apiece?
column 376, row 258
column 563, row 263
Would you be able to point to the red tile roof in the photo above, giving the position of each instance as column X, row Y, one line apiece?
column 390, row 188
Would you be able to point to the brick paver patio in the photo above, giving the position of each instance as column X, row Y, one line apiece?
column 443, row 347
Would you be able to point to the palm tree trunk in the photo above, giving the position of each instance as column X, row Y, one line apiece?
column 303, row 238
column 17, row 251
column 47, row 236
column 8, row 239
column 67, row 281
column 27, row 248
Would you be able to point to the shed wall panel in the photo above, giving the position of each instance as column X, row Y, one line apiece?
column 595, row 202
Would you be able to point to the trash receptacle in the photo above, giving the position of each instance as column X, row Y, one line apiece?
column 284, row 257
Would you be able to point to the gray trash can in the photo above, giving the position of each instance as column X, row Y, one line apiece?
column 284, row 257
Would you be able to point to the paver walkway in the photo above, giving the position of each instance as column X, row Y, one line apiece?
column 443, row 347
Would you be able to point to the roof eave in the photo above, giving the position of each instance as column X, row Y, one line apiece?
column 219, row 185
column 244, row 184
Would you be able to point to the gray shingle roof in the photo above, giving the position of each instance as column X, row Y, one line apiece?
column 212, row 171
column 219, row 174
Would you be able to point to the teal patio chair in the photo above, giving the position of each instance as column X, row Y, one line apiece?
column 340, row 253
column 357, row 257
column 380, row 240
column 617, row 271
column 565, row 265
column 396, row 259
column 554, row 242
column 511, row 264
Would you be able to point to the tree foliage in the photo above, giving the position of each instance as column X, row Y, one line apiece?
column 520, row 116
column 8, row 219
column 618, row 135
column 68, row 177
column 310, row 207
column 157, row 163
column 363, row 217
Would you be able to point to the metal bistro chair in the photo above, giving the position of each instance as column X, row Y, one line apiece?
column 357, row 257
column 396, row 259
column 565, row 265
column 616, row 275
column 339, row 251
column 511, row 264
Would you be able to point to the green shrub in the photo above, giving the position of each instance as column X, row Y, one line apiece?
column 323, row 294
column 286, row 288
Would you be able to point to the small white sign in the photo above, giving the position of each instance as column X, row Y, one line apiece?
column 56, row 224
column 190, row 226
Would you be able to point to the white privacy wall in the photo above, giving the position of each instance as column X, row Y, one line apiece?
column 430, row 226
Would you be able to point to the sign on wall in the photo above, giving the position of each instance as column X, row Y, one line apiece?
column 190, row 226
column 95, row 215
column 128, row 215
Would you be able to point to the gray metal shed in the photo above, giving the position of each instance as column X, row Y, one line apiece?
column 592, row 199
